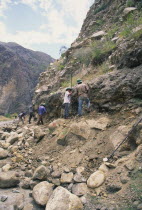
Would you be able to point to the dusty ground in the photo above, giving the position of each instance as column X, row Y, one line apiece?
column 88, row 153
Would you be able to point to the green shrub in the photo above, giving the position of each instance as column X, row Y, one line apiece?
column 84, row 55
column 112, row 31
column 100, row 49
column 61, row 67
column 130, row 3
column 131, row 22
column 101, row 8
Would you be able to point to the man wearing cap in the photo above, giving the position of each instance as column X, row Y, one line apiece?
column 82, row 91
column 67, row 100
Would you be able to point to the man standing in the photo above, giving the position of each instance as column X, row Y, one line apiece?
column 82, row 91
column 67, row 100
column 41, row 112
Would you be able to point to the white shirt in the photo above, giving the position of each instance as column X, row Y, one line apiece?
column 67, row 97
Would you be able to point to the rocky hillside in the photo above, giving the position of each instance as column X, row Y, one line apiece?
column 19, row 72
column 107, row 55
column 60, row 165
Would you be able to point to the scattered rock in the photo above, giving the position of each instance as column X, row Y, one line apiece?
column 42, row 192
column 19, row 203
column 130, row 165
column 56, row 182
column 67, row 177
column 83, row 200
column 110, row 165
column 8, row 179
column 3, row 198
column 12, row 138
column 3, row 153
column 28, row 207
column 25, row 184
column 64, row 200
column 80, row 169
column 79, row 178
column 124, row 179
column 6, row 167
column 40, row 173
column 56, row 174
column 96, row 179
column 80, row 189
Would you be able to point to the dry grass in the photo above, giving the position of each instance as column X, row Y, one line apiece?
column 3, row 118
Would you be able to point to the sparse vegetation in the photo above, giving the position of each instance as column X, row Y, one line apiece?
column 61, row 67
column 128, row 26
column 101, row 8
column 130, row 3
column 84, row 55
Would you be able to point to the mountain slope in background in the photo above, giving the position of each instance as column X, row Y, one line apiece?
column 19, row 72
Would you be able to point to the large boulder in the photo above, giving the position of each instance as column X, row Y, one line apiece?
column 98, row 35
column 118, row 135
column 38, row 134
column 8, row 179
column 100, row 124
column 81, row 130
column 128, row 10
column 62, row 199
column 3, row 153
column 96, row 179
column 42, row 192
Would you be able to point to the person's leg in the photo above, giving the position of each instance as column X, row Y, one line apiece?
column 66, row 110
column 80, row 102
column 38, row 122
column 41, row 119
column 30, row 117
column 22, row 120
column 88, row 103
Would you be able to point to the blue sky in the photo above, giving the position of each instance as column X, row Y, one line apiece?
column 42, row 25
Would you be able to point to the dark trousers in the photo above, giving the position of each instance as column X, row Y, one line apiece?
column 40, row 120
column 66, row 110
column 30, row 117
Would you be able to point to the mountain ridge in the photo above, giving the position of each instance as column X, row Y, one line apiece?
column 19, row 69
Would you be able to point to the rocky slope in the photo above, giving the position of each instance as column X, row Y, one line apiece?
column 59, row 165
column 107, row 55
column 19, row 72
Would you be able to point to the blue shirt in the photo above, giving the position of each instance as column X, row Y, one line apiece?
column 41, row 110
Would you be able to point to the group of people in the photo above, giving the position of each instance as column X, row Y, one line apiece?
column 82, row 91
column 41, row 111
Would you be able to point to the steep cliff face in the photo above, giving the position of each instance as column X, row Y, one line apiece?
column 107, row 54
column 19, row 72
